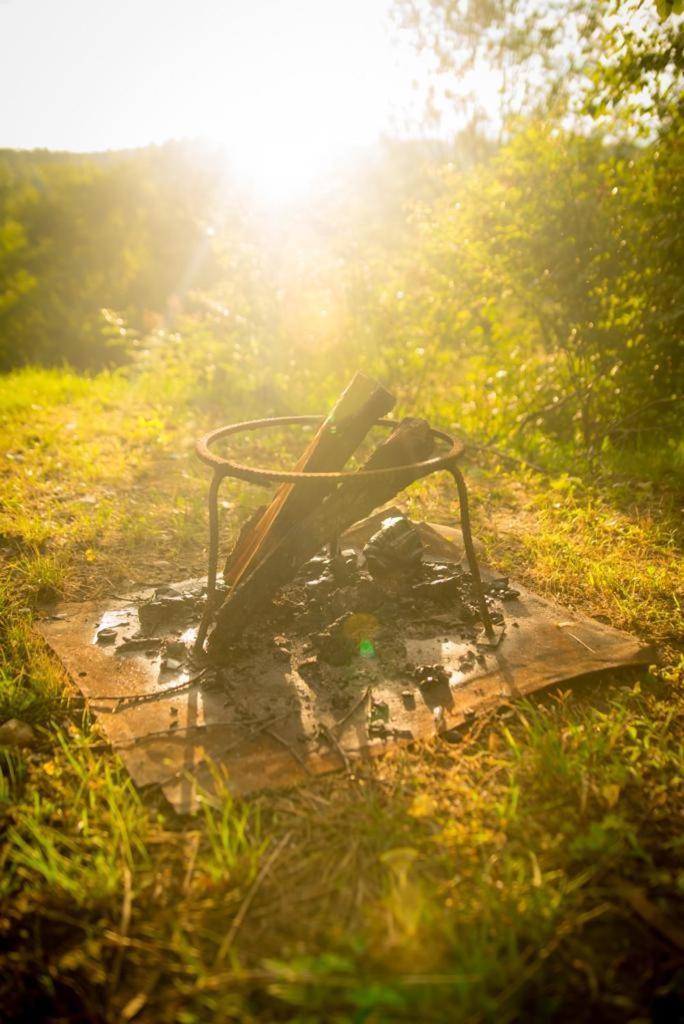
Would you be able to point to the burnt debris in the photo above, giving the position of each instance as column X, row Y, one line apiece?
column 395, row 547
column 167, row 606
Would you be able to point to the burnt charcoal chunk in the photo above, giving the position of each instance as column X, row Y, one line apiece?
column 468, row 612
column 334, row 645
column 395, row 547
column 500, row 588
column 351, row 558
column 430, row 675
column 445, row 570
column 444, row 588
column 467, row 661
column 368, row 595
column 167, row 606
column 165, row 592
column 343, row 568
column 321, row 586
column 335, row 648
column 316, row 565
column 388, row 612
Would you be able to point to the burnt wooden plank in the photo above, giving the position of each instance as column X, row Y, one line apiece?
column 360, row 405
column 410, row 442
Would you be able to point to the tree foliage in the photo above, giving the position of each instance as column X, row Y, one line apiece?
column 545, row 284
column 600, row 58
column 79, row 235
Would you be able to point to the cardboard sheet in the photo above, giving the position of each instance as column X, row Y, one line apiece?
column 270, row 720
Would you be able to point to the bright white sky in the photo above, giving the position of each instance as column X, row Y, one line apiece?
column 285, row 86
column 290, row 82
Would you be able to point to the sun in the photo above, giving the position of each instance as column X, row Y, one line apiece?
column 284, row 142
column 280, row 171
column 285, row 88
column 323, row 80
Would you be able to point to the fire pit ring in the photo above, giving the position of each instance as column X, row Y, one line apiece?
column 223, row 468
column 257, row 475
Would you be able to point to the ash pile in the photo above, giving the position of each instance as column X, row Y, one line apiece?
column 343, row 622
column 355, row 602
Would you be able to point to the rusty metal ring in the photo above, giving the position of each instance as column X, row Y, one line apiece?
column 253, row 474
column 258, row 475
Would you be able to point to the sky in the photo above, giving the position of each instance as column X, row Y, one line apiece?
column 298, row 82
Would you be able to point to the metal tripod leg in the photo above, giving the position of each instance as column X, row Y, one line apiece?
column 213, row 559
column 470, row 550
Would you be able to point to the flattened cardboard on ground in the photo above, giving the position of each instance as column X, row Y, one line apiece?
column 277, row 732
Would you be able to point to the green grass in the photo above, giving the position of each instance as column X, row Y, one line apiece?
column 532, row 871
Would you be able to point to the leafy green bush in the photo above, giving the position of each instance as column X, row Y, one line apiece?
column 543, row 286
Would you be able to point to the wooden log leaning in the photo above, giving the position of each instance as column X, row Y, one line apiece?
column 360, row 405
column 410, row 442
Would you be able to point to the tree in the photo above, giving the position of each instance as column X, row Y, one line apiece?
column 605, row 57
column 79, row 234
